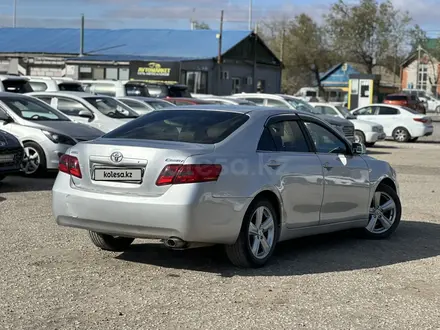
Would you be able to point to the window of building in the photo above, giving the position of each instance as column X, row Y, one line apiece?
column 111, row 73
column 236, row 86
column 197, row 81
column 423, row 76
column 98, row 73
column 85, row 72
column 123, row 74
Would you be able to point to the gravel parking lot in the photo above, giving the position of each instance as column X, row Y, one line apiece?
column 54, row 278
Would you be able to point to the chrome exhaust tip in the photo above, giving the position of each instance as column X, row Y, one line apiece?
column 175, row 243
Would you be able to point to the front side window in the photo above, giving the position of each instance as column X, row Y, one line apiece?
column 191, row 126
column 325, row 141
column 110, row 107
column 286, row 136
column 157, row 105
column 366, row 111
column 70, row 107
column 32, row 109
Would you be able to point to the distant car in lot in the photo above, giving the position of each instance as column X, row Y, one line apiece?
column 115, row 88
column 186, row 101
column 406, row 100
column 102, row 112
column 14, row 84
column 281, row 101
column 49, row 84
column 366, row 132
column 403, row 124
column 226, row 100
column 11, row 154
column 144, row 105
column 45, row 132
column 244, row 177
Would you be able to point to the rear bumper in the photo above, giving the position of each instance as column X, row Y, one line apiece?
column 178, row 213
column 422, row 131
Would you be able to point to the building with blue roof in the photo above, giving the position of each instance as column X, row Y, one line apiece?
column 187, row 57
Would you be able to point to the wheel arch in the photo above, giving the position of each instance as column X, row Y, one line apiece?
column 388, row 182
column 274, row 199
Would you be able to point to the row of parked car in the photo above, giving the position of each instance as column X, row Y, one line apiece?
column 47, row 123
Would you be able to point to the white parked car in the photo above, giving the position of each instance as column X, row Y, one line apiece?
column 14, row 84
column 366, row 132
column 49, row 84
column 102, row 112
column 401, row 123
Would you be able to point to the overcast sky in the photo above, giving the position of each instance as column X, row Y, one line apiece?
column 176, row 14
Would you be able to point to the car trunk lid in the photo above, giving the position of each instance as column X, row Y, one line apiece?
column 129, row 167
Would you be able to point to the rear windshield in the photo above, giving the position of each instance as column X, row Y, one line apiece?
column 71, row 87
column 192, row 126
column 136, row 90
column 17, row 86
column 396, row 97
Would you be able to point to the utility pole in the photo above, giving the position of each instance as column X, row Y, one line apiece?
column 192, row 21
column 81, row 37
column 14, row 18
column 250, row 15
column 219, row 57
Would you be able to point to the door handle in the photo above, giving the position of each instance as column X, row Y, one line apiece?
column 273, row 164
column 327, row 166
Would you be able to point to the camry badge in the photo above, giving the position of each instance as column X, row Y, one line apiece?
column 116, row 157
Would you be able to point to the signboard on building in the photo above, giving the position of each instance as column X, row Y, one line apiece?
column 154, row 71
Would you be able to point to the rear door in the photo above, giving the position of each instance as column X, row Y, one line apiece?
column 389, row 118
column 293, row 170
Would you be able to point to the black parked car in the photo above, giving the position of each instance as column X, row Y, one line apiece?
column 11, row 154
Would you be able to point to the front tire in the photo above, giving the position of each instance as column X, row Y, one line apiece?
column 34, row 163
column 385, row 213
column 359, row 137
column 401, row 134
column 258, row 236
column 109, row 242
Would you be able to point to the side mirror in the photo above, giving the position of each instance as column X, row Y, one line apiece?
column 4, row 117
column 85, row 114
column 359, row 148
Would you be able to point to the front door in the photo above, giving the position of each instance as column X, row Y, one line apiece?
column 295, row 172
column 72, row 108
column 346, row 177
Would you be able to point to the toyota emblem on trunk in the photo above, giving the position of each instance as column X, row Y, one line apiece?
column 116, row 157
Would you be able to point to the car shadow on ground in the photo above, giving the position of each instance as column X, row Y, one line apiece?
column 19, row 183
column 414, row 240
column 377, row 152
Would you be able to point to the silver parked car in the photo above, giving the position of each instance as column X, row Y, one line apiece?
column 245, row 177
column 143, row 105
column 45, row 132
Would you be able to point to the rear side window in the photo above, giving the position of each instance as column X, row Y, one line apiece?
column 388, row 111
column 38, row 86
column 71, row 87
column 192, row 126
column 396, row 97
column 17, row 86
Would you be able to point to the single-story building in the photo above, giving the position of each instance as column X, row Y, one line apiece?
column 426, row 67
column 169, row 56
column 335, row 80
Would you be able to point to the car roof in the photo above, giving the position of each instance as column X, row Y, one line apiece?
column 9, row 94
column 67, row 94
column 141, row 98
column 244, row 109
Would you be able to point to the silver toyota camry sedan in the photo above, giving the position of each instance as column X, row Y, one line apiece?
column 244, row 177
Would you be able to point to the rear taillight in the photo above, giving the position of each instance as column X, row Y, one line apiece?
column 70, row 165
column 422, row 120
column 176, row 174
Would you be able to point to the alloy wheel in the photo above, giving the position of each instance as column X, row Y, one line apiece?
column 382, row 213
column 261, row 232
column 400, row 135
column 31, row 161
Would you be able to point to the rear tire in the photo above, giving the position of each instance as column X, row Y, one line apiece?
column 359, row 137
column 255, row 245
column 401, row 134
column 369, row 144
column 109, row 242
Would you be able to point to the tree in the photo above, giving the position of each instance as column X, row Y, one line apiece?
column 368, row 32
column 200, row 25
column 302, row 46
